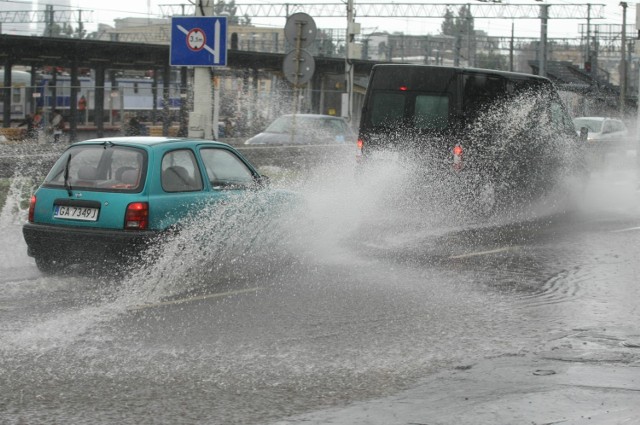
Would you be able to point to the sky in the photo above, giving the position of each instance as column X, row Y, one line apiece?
column 107, row 11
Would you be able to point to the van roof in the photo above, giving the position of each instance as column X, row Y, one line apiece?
column 506, row 74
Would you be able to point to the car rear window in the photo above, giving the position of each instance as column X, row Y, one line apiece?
column 108, row 168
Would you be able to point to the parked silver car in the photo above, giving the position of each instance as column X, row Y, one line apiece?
column 305, row 129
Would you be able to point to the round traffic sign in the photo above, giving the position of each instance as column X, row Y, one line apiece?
column 298, row 67
column 196, row 39
column 300, row 26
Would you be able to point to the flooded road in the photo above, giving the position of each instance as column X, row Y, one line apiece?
column 359, row 303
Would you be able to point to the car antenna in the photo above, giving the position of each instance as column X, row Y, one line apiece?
column 66, row 176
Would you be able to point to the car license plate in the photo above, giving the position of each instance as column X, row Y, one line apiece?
column 75, row 213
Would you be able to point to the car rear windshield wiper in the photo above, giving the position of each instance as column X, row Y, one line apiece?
column 66, row 176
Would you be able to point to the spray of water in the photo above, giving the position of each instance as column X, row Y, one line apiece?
column 333, row 210
column 220, row 244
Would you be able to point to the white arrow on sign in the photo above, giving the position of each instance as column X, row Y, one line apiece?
column 216, row 41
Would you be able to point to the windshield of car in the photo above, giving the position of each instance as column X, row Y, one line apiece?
column 285, row 124
column 109, row 168
column 594, row 125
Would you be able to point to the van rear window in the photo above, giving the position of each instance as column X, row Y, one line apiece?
column 418, row 110
column 431, row 111
column 387, row 108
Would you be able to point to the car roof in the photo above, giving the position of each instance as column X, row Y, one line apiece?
column 150, row 141
column 313, row 116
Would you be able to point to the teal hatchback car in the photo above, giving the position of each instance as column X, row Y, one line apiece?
column 110, row 198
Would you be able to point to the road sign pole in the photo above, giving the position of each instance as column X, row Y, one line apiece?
column 200, row 120
column 299, row 65
column 296, row 79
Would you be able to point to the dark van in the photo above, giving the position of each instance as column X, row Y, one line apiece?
column 498, row 134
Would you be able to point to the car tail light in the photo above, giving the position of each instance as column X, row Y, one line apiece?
column 359, row 145
column 458, row 164
column 137, row 216
column 32, row 208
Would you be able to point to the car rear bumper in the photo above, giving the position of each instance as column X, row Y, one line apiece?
column 84, row 244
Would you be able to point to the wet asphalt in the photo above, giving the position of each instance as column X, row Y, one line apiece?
column 360, row 311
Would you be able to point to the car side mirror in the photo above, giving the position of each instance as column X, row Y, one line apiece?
column 584, row 133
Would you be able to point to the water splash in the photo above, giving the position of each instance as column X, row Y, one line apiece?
column 16, row 204
column 340, row 207
column 221, row 243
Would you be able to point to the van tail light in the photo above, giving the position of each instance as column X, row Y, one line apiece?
column 32, row 208
column 458, row 163
column 137, row 216
column 359, row 146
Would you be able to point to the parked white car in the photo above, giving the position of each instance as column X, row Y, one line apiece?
column 602, row 129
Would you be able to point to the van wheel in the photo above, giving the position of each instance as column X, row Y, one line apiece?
column 47, row 265
column 486, row 199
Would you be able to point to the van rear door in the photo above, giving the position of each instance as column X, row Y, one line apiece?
column 405, row 104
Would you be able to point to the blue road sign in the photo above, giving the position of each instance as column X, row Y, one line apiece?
column 199, row 41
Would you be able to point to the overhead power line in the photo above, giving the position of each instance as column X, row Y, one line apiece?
column 404, row 10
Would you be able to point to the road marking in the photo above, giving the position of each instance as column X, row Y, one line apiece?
column 479, row 253
column 630, row 229
column 186, row 300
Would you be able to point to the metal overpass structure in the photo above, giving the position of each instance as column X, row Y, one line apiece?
column 44, row 16
column 404, row 10
column 101, row 56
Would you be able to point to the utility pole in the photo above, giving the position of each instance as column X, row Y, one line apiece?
column 457, row 48
column 587, row 56
column 511, row 48
column 50, row 21
column 623, row 60
column 352, row 29
column 637, row 141
column 80, row 25
column 469, row 61
column 544, row 17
